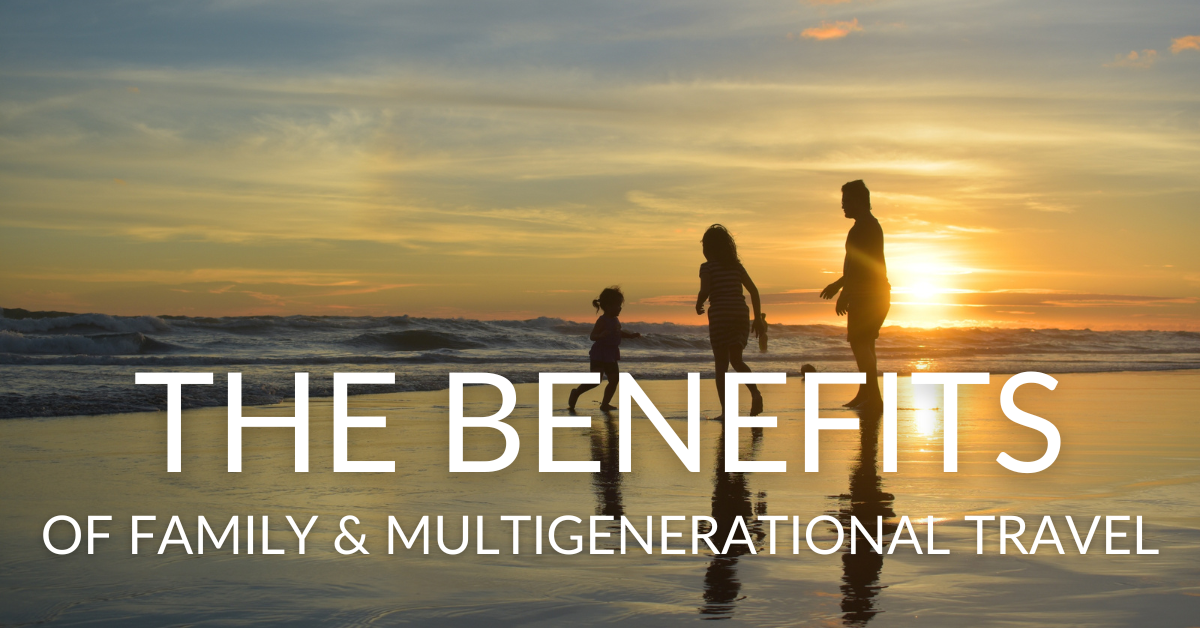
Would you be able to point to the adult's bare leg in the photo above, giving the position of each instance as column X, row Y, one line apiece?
column 860, row 359
column 864, row 355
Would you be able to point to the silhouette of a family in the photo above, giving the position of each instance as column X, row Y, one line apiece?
column 865, row 298
column 863, row 295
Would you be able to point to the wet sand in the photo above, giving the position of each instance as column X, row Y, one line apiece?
column 1130, row 447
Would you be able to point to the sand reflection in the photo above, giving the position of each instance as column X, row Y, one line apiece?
column 607, row 483
column 731, row 499
column 866, row 501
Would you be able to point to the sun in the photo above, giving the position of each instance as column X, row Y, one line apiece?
column 924, row 291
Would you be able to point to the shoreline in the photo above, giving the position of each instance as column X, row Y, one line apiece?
column 85, row 364
column 325, row 393
column 24, row 314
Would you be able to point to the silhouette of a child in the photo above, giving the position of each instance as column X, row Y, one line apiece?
column 606, row 346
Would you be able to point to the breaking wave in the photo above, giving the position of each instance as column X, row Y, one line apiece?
column 129, row 343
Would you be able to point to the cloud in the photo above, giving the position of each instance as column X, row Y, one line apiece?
column 971, row 229
column 1134, row 59
column 831, row 30
column 669, row 300
column 1047, row 298
column 1191, row 42
column 229, row 276
column 825, row 2
column 969, row 298
column 1050, row 207
column 339, row 174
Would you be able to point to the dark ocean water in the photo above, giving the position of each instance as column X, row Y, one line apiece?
column 85, row 363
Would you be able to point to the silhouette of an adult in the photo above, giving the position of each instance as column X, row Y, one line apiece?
column 866, row 294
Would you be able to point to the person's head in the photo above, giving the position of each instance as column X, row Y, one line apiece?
column 610, row 300
column 719, row 246
column 856, row 199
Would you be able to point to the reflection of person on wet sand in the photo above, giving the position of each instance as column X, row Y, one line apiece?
column 721, row 281
column 866, row 294
column 606, row 346
column 607, row 483
column 866, row 501
column 731, row 498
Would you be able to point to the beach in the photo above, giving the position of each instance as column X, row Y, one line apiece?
column 1129, row 448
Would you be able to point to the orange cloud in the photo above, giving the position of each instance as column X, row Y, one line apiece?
column 1134, row 60
column 834, row 30
column 1191, row 42
column 669, row 299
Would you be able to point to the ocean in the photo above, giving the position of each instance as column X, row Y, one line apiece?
column 84, row 364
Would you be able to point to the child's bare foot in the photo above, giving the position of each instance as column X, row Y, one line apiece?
column 571, row 401
column 607, row 407
column 756, row 406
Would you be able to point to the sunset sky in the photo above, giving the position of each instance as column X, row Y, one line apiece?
column 1032, row 164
